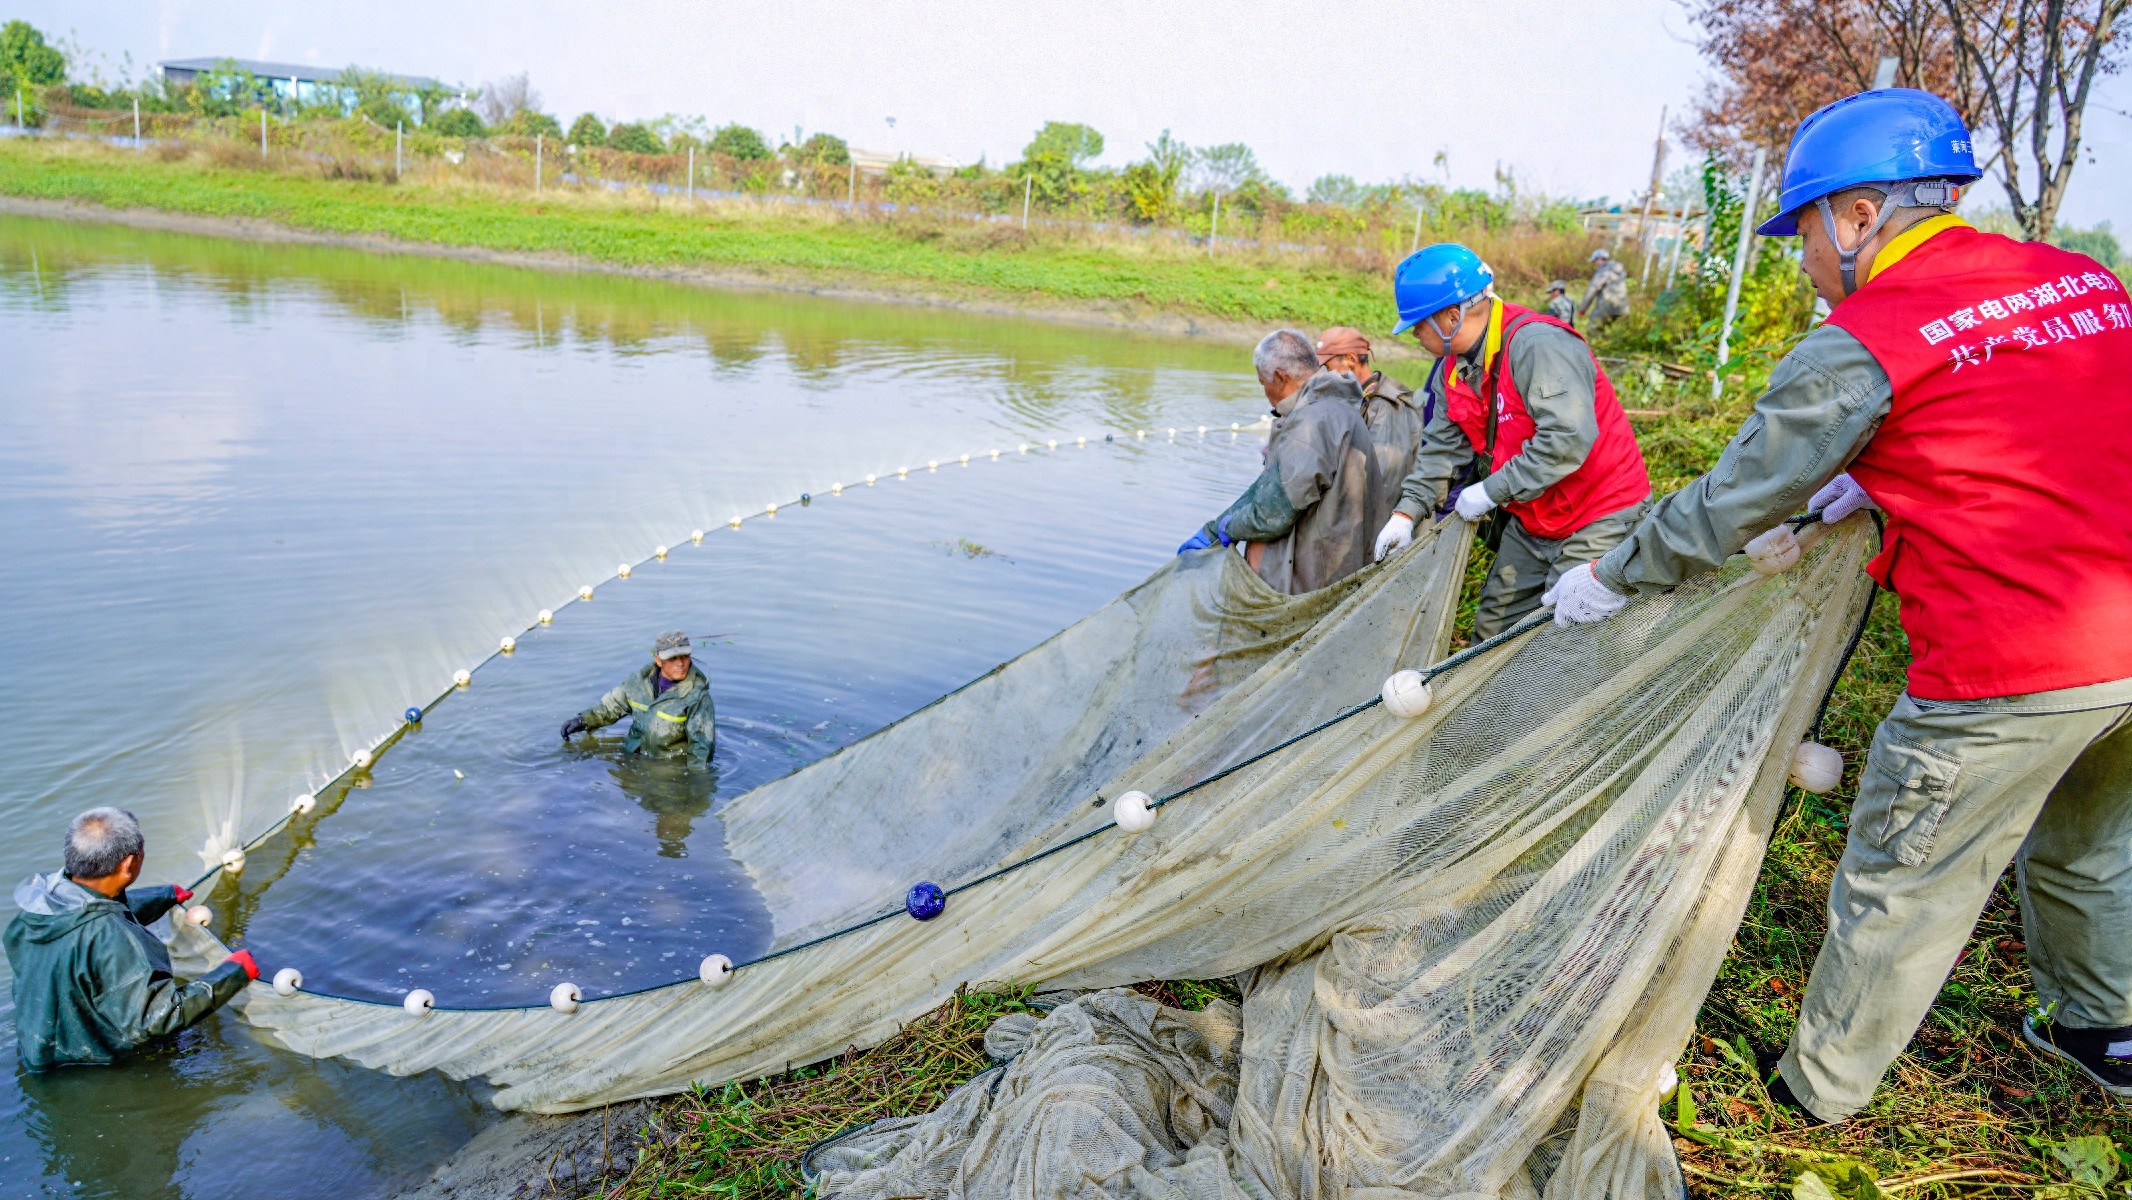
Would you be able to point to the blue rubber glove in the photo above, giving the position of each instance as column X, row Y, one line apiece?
column 1200, row 540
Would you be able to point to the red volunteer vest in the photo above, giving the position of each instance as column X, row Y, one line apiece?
column 1613, row 475
column 2005, row 463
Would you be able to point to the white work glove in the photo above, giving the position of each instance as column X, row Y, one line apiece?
column 1839, row 498
column 1473, row 503
column 1397, row 535
column 1774, row 551
column 1580, row 597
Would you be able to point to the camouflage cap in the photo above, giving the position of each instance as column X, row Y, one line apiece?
column 1558, row 285
column 671, row 644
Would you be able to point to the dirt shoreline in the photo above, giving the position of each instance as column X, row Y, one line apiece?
column 1123, row 319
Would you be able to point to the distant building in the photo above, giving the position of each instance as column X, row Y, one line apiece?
column 293, row 82
column 877, row 162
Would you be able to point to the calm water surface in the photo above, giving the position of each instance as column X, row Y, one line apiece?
column 258, row 500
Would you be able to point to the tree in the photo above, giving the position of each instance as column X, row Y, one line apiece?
column 26, row 60
column 1072, row 143
column 528, row 122
column 1779, row 60
column 587, row 131
column 2099, row 243
column 2033, row 63
column 2019, row 71
column 502, row 100
column 1336, row 189
column 822, row 150
column 634, row 138
column 458, row 122
column 1226, row 168
column 739, row 141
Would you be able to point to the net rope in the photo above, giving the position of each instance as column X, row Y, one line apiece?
column 1470, row 941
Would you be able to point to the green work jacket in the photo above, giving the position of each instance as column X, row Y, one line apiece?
column 91, row 981
column 681, row 721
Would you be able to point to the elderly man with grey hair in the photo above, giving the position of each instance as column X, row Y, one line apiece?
column 1307, row 520
column 92, row 982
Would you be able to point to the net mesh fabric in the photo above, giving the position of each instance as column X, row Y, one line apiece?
column 1470, row 942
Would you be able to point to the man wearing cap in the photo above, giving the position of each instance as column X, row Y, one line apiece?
column 1978, row 390
column 1525, row 420
column 1388, row 407
column 1305, row 522
column 668, row 702
column 1559, row 305
column 1607, row 297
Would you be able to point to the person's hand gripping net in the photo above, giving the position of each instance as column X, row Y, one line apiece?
column 1579, row 598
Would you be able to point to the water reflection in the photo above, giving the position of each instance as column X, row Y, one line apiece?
column 284, row 492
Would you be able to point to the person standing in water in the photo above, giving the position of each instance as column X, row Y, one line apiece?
column 668, row 702
column 92, row 982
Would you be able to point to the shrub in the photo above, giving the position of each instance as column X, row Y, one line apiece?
column 2099, row 243
column 527, row 123
column 822, row 150
column 26, row 61
column 742, row 143
column 587, row 131
column 458, row 122
column 635, row 139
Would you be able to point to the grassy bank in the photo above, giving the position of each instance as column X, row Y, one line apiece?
column 811, row 246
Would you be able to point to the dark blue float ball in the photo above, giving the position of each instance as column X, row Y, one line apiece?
column 413, row 715
column 1106, row 437
column 805, row 499
column 925, row 901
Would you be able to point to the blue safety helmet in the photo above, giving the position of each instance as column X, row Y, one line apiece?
column 1883, row 136
column 1434, row 278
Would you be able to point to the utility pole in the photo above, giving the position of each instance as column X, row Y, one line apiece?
column 1650, row 198
column 136, row 122
column 1028, row 188
column 262, row 131
column 1680, row 237
column 538, row 138
column 1739, row 269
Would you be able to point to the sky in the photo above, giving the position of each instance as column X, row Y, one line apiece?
column 1566, row 94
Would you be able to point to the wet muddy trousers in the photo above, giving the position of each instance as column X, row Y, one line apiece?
column 1951, row 792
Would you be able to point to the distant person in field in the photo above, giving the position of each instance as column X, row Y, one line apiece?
column 1607, row 296
column 1389, row 407
column 1305, row 521
column 1559, row 305
column 92, row 983
column 668, row 702
column 1525, row 422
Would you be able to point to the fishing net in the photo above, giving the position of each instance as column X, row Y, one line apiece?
column 1470, row 942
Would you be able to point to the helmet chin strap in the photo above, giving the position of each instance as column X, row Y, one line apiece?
column 1930, row 193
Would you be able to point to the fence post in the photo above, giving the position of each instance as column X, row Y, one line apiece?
column 136, row 122
column 1739, row 268
column 1417, row 230
column 1680, row 236
column 1028, row 185
column 692, row 175
column 262, row 131
column 399, row 131
column 19, row 125
column 1214, row 225
column 851, row 195
column 538, row 139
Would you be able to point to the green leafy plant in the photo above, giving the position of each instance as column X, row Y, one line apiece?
column 587, row 131
column 741, row 142
column 634, row 138
column 458, row 122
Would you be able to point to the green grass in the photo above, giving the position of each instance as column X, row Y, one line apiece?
column 814, row 246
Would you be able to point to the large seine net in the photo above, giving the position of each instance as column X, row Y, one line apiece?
column 1470, row 943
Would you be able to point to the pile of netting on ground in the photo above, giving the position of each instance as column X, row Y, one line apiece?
column 1470, row 943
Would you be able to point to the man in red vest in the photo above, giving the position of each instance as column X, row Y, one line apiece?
column 1521, row 408
column 1979, row 391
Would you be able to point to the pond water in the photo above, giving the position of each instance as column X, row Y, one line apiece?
column 259, row 500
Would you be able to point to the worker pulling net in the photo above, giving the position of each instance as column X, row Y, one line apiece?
column 1472, row 940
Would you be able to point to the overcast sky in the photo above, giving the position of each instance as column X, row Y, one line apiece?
column 1566, row 93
